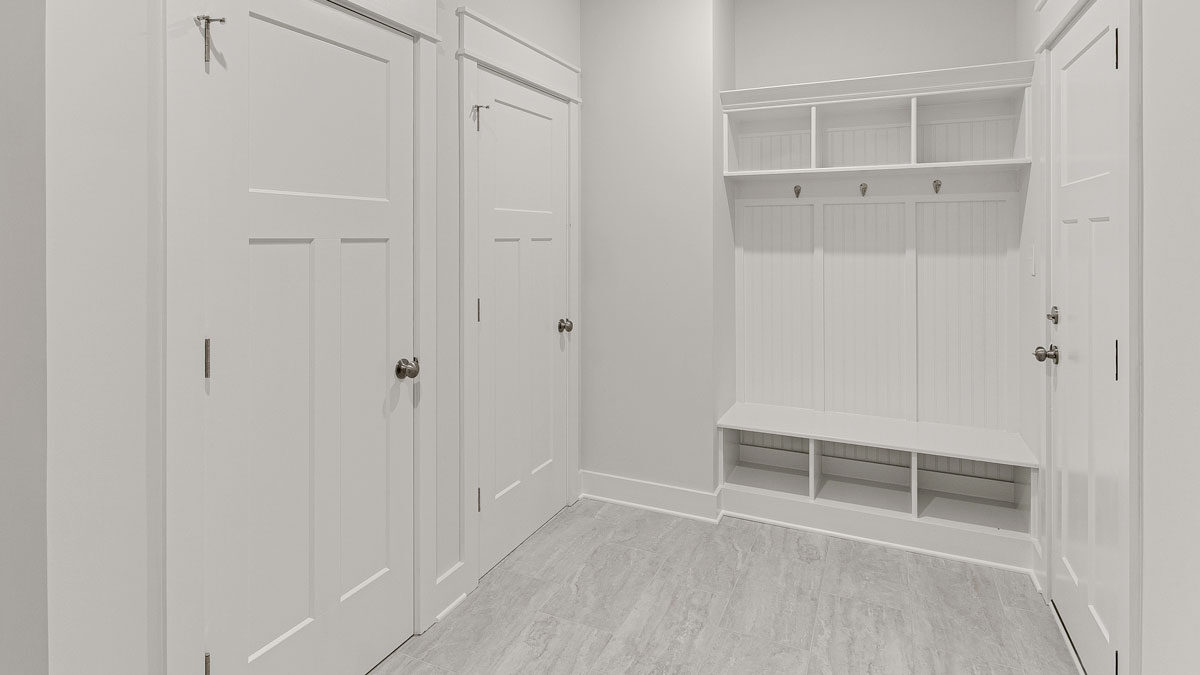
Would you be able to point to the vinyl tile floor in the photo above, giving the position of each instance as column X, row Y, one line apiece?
column 605, row 588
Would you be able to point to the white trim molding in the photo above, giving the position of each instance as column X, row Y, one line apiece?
column 405, row 20
column 670, row 499
column 499, row 49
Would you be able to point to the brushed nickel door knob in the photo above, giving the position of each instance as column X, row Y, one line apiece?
column 408, row 369
column 1042, row 353
column 566, row 325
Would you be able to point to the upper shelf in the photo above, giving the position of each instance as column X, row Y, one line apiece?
column 955, row 120
column 1014, row 74
column 944, row 440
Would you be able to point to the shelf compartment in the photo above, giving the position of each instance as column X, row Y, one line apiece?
column 986, row 445
column 864, row 133
column 970, row 511
column 769, row 139
column 971, row 126
column 771, row 478
column 860, row 493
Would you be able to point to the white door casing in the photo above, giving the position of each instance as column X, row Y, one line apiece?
column 521, row 373
column 309, row 434
column 1090, row 285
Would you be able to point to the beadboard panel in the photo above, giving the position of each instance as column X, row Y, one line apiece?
column 966, row 140
column 861, row 453
column 963, row 285
column 779, row 150
column 894, row 307
column 864, row 308
column 776, row 298
column 862, row 146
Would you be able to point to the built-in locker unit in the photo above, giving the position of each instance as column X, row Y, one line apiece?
column 877, row 227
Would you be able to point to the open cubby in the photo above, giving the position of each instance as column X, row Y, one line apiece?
column 971, row 126
column 884, row 481
column 864, row 133
column 770, row 139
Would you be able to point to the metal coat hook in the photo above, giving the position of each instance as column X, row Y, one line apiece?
column 797, row 191
column 937, row 186
column 862, row 189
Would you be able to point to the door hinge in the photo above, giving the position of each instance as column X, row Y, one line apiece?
column 207, row 21
column 1116, row 360
column 478, row 500
column 478, row 310
column 1116, row 48
column 207, row 663
column 475, row 111
column 207, row 358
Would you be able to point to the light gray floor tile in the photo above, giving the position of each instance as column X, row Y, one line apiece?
column 670, row 629
column 681, row 595
column 403, row 664
column 553, row 645
column 938, row 662
column 479, row 630
column 638, row 528
column 737, row 653
column 709, row 556
column 605, row 589
column 1017, row 591
column 869, row 572
column 776, row 597
column 1042, row 649
column 855, row 636
column 559, row 548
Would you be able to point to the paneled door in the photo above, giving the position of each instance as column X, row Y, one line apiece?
column 309, row 437
column 1090, row 286
column 522, row 322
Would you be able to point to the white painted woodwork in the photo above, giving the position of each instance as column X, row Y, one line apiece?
column 922, row 437
column 309, row 437
column 486, row 42
column 521, row 372
column 988, row 76
column 964, row 119
column 966, row 328
column 415, row 17
column 1090, row 446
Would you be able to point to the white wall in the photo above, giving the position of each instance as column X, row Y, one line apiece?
column 23, row 342
column 724, row 287
column 1171, row 237
column 648, row 251
column 101, row 226
column 784, row 41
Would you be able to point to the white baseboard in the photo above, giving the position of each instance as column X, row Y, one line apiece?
column 677, row 501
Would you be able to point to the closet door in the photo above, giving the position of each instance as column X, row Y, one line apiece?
column 1090, row 383
column 523, row 296
column 309, row 441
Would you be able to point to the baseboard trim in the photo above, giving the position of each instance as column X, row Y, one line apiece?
column 677, row 501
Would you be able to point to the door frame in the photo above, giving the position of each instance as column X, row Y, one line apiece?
column 1130, row 658
column 177, row 489
column 484, row 45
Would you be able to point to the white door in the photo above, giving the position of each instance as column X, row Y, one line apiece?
column 522, row 357
column 309, row 439
column 1091, row 288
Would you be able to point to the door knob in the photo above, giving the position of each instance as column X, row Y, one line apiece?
column 408, row 369
column 566, row 325
column 1041, row 354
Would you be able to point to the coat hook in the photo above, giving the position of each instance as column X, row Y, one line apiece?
column 862, row 189
column 937, row 186
column 797, row 191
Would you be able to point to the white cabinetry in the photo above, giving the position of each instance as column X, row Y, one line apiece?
column 876, row 313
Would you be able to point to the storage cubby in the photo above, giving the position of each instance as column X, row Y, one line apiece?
column 864, row 133
column 971, row 126
column 770, row 139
